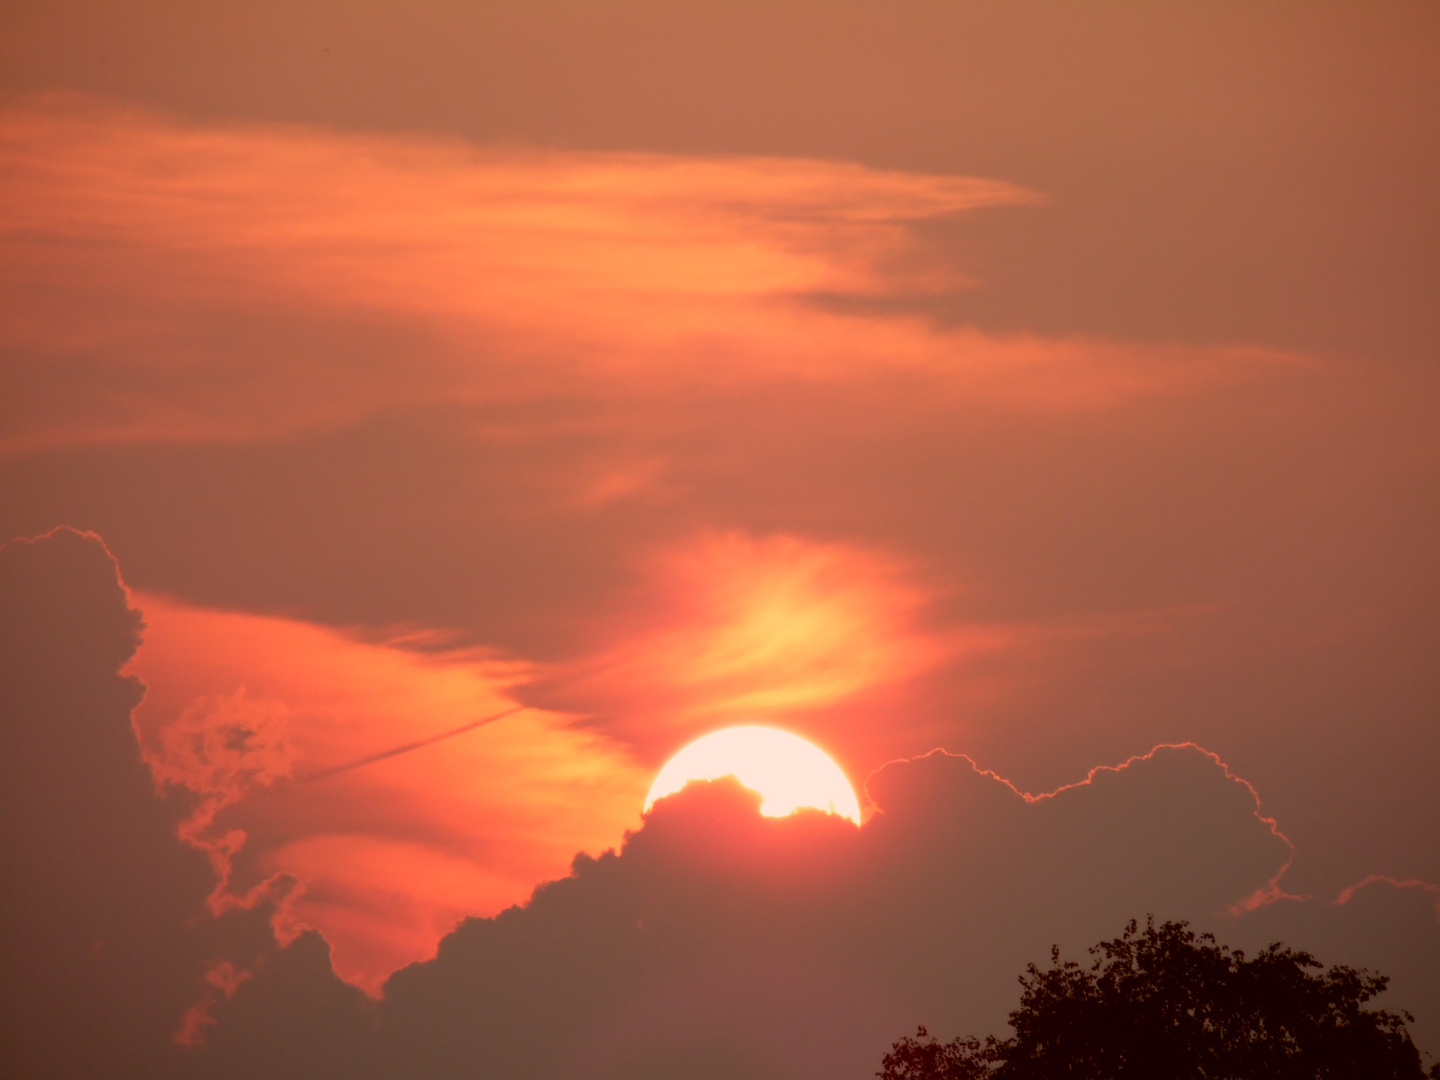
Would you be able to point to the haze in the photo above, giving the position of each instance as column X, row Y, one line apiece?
column 1033, row 406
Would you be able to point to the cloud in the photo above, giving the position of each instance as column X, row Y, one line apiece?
column 382, row 790
column 285, row 735
column 726, row 627
column 167, row 282
column 100, row 949
column 683, row 438
column 718, row 942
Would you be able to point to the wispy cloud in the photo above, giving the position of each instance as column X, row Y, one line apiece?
column 172, row 282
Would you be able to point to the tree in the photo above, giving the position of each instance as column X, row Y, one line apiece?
column 1164, row 1003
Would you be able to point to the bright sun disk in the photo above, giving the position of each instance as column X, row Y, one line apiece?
column 787, row 771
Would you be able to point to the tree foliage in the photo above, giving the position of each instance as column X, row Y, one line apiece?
column 1163, row 1003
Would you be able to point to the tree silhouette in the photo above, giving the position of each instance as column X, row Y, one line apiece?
column 1164, row 1003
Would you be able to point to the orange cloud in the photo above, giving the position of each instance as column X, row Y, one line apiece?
column 382, row 791
column 729, row 628
column 172, row 282
column 258, row 717
column 1348, row 893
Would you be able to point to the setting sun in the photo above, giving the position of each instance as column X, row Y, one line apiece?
column 787, row 771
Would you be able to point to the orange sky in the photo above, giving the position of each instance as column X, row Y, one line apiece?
column 1043, row 386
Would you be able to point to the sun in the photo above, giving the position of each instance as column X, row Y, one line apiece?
column 787, row 771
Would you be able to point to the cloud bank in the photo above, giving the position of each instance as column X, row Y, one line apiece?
column 714, row 942
column 720, row 943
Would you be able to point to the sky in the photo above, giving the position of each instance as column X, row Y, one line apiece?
column 418, row 422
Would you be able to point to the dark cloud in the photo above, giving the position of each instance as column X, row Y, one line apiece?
column 105, row 948
column 97, row 891
column 721, row 943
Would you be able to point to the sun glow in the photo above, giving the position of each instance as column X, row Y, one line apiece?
column 787, row 771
